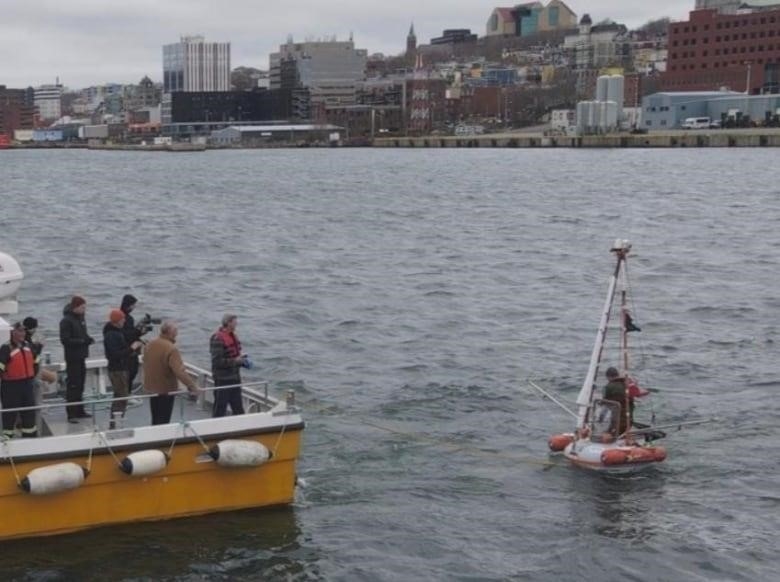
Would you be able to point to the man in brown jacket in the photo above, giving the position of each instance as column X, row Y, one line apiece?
column 163, row 370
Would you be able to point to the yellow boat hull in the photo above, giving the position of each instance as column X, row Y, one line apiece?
column 189, row 485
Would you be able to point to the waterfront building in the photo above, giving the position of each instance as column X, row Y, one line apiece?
column 48, row 101
column 713, row 49
column 531, row 18
column 203, row 112
column 331, row 70
column 668, row 110
column 17, row 110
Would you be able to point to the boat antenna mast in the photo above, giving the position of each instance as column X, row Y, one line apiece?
column 621, row 249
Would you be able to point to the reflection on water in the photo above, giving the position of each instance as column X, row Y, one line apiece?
column 619, row 506
column 243, row 545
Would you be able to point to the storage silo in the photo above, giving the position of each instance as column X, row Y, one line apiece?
column 602, row 88
column 616, row 89
column 612, row 112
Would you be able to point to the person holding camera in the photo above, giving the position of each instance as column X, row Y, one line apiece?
column 76, row 341
column 226, row 363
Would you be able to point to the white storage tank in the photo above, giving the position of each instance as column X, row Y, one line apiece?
column 616, row 89
column 602, row 88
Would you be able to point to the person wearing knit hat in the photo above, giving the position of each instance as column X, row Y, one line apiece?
column 118, row 353
column 76, row 341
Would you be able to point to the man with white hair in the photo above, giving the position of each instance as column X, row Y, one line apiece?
column 226, row 363
column 163, row 370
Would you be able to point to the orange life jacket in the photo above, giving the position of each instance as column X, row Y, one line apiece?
column 21, row 364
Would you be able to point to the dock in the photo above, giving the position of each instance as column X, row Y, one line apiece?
column 715, row 138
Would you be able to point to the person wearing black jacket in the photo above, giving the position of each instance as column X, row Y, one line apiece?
column 76, row 341
column 118, row 353
column 132, row 334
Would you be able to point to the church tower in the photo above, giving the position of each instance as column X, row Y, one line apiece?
column 411, row 42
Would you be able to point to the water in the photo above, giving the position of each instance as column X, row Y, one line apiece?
column 407, row 296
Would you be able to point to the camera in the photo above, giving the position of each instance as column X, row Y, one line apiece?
column 246, row 363
column 146, row 324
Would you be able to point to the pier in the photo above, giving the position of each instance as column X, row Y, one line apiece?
column 716, row 138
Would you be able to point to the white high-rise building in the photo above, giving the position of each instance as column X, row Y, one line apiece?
column 48, row 100
column 193, row 65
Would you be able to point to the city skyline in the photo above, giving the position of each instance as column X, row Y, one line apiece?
column 83, row 43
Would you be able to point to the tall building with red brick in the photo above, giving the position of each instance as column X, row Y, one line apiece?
column 713, row 49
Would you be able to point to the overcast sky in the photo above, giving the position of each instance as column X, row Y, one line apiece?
column 90, row 42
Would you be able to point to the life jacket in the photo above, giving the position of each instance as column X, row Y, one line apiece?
column 21, row 363
column 230, row 341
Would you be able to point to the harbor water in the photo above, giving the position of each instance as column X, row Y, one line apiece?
column 408, row 296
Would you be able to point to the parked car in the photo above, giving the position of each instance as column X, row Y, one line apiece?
column 715, row 124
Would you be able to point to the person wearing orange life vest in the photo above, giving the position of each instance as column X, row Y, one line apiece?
column 18, row 367
column 226, row 363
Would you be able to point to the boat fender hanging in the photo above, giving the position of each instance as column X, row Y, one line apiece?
column 240, row 453
column 54, row 479
column 142, row 463
column 558, row 442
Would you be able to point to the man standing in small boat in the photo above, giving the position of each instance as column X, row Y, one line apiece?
column 226, row 363
column 623, row 391
column 18, row 367
column 163, row 370
column 76, row 341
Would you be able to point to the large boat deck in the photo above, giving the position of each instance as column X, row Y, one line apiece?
column 54, row 421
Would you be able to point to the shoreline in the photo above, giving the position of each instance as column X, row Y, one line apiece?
column 718, row 138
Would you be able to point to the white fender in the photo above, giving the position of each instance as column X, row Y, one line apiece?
column 54, row 478
column 142, row 463
column 239, row 453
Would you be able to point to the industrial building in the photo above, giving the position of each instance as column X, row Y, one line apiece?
column 663, row 111
column 264, row 135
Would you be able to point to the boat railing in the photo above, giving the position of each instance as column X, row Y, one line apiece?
column 51, row 417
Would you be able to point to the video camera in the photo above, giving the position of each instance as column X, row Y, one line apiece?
column 146, row 324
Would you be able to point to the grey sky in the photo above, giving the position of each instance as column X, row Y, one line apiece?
column 89, row 42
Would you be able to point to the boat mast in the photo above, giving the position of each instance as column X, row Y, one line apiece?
column 621, row 249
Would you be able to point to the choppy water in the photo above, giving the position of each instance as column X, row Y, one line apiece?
column 407, row 296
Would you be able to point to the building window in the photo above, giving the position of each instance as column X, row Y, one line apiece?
column 663, row 122
column 744, row 36
column 675, row 43
column 704, row 65
column 686, row 29
column 706, row 40
column 726, row 38
column 682, row 108
column 753, row 35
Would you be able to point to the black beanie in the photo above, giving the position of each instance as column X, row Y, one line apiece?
column 128, row 301
column 30, row 323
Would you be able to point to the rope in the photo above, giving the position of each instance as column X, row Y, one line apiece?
column 11, row 460
column 108, row 446
column 186, row 425
column 279, row 440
